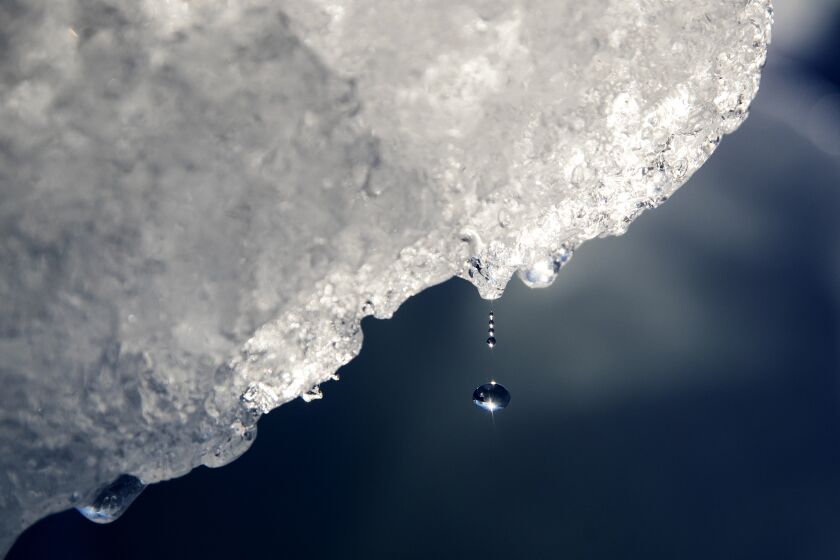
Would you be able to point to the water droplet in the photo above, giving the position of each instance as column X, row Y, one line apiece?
column 491, row 332
column 312, row 394
column 541, row 274
column 113, row 499
column 491, row 396
column 491, row 342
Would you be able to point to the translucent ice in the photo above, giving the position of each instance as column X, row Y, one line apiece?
column 200, row 201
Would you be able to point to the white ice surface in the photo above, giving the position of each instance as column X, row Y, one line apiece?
column 199, row 201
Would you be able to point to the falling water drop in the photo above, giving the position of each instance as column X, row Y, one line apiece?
column 491, row 397
column 491, row 330
column 113, row 499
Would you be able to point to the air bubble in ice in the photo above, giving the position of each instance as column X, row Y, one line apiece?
column 504, row 218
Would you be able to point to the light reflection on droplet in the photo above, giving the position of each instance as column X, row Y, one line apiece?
column 541, row 274
column 491, row 396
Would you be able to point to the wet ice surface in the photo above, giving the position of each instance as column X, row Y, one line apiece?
column 200, row 202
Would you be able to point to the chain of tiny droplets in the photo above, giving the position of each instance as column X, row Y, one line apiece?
column 491, row 331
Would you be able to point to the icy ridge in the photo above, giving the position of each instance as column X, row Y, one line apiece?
column 201, row 201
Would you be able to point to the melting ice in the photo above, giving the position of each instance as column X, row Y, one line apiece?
column 200, row 201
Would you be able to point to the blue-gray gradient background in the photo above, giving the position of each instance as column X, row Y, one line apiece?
column 675, row 392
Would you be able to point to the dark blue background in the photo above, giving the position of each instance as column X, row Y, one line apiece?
column 675, row 396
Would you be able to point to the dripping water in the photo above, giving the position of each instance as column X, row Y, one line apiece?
column 491, row 396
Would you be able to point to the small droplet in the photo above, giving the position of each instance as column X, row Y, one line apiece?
column 541, row 274
column 313, row 394
column 491, row 323
column 491, row 342
column 491, row 396
column 113, row 499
